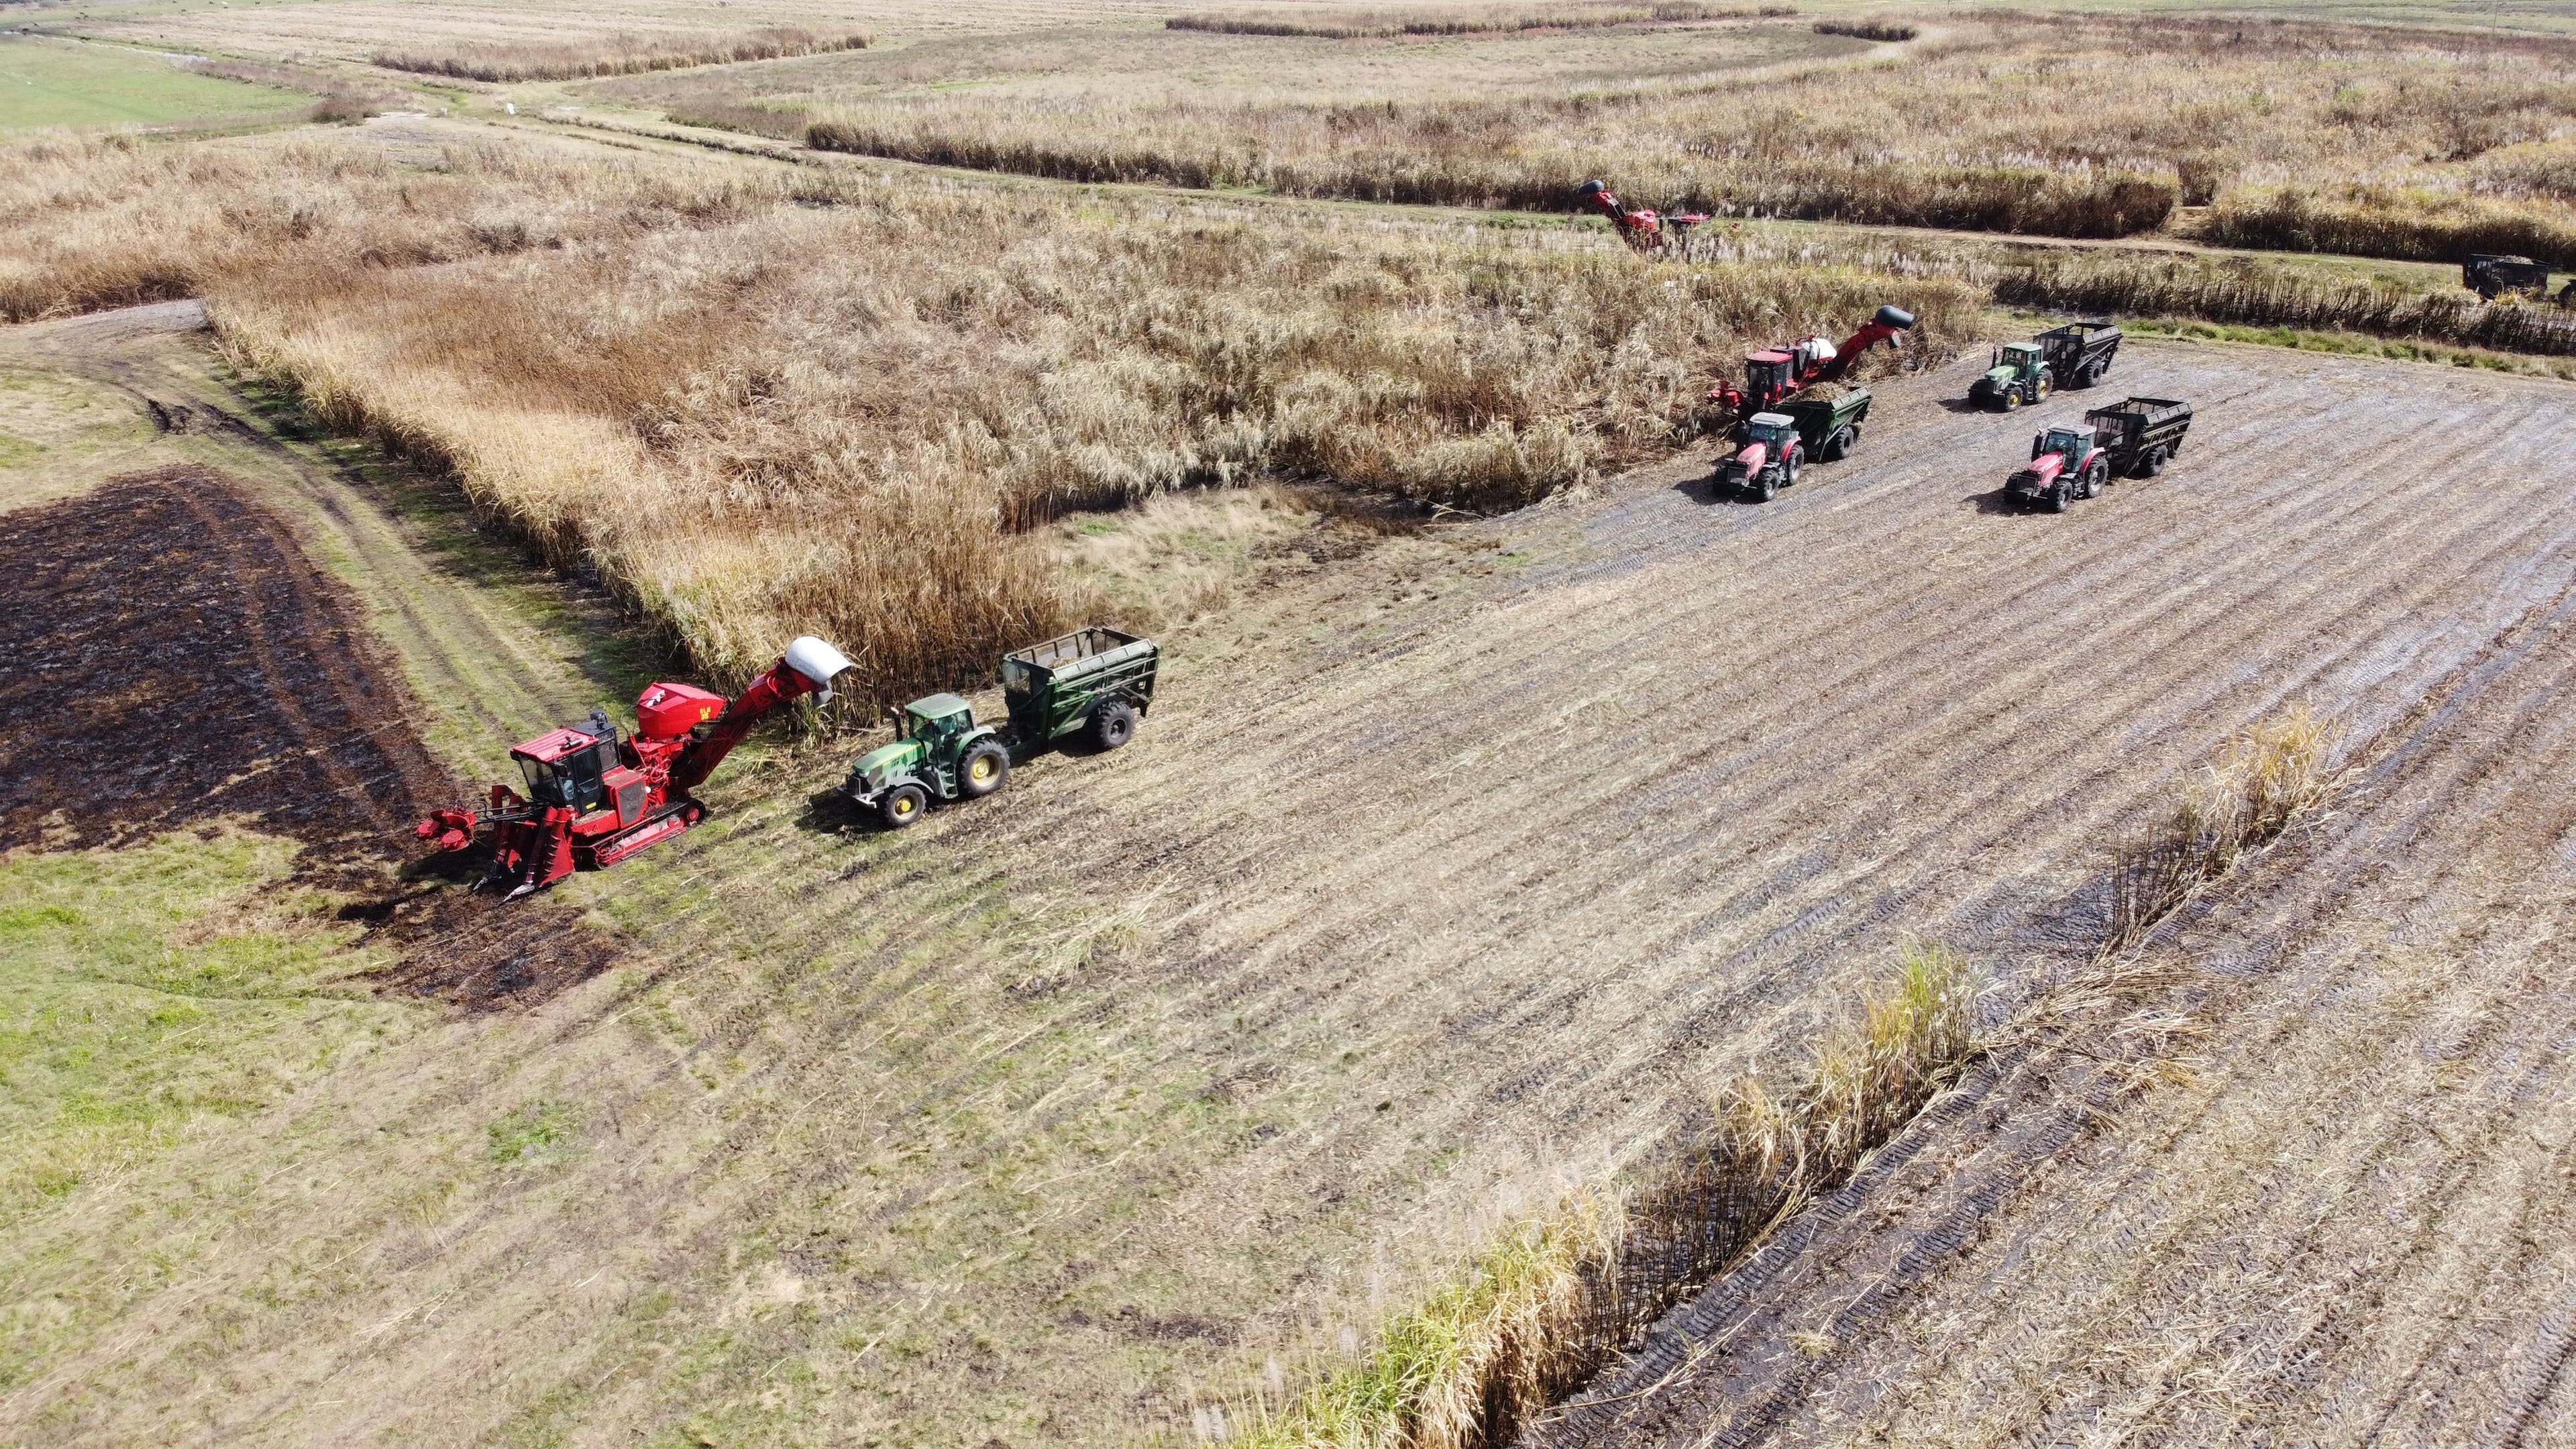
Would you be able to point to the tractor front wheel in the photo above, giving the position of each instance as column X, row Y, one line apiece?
column 1113, row 723
column 984, row 770
column 2059, row 497
column 2012, row 398
column 1768, row 487
column 903, row 805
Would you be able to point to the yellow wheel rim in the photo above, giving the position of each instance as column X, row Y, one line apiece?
column 984, row 768
column 906, row 805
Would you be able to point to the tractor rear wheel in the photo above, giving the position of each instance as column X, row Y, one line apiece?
column 984, row 770
column 1113, row 723
column 2096, row 478
column 1790, row 465
column 903, row 805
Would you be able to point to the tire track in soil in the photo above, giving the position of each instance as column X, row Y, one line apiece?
column 2469, row 785
column 184, row 663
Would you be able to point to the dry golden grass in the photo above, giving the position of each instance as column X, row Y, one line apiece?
column 765, row 403
column 617, row 55
column 114, row 221
column 2243, row 800
column 2072, row 126
column 1379, row 24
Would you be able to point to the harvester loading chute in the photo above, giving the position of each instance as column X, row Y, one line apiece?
column 596, row 797
column 1776, row 374
column 1644, row 229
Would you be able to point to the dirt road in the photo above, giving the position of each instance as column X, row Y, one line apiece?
column 1446, row 876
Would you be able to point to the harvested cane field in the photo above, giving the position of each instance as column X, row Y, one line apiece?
column 1174, row 1071
column 1573, row 955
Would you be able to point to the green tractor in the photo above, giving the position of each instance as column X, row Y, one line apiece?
column 2019, row 375
column 939, row 753
column 1095, row 682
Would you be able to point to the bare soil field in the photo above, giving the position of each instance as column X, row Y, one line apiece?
column 1450, row 872
column 236, row 686
column 2308, row 1182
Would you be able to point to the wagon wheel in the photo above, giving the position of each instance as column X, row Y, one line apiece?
column 1113, row 723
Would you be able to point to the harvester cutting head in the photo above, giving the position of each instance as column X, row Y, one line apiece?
column 596, row 796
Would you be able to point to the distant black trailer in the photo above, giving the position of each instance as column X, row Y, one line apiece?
column 2141, row 434
column 2496, row 276
column 2079, row 354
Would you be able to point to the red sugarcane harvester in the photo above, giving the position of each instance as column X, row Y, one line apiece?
column 596, row 796
column 1643, row 228
column 1776, row 374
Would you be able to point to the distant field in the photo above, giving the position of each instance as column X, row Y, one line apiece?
column 1056, row 75
column 61, row 83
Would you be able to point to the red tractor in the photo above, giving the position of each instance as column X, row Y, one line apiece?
column 1776, row 374
column 2065, row 464
column 596, row 796
column 1643, row 229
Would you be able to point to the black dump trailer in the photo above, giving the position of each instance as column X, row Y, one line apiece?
column 2495, row 276
column 2142, row 434
column 2079, row 354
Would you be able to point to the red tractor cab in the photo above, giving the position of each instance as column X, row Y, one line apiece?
column 2065, row 464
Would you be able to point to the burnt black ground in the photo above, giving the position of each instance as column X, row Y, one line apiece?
column 172, row 659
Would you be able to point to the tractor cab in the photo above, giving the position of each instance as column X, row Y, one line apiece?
column 2069, row 446
column 567, row 769
column 2018, row 362
column 936, row 720
column 2019, row 376
column 1774, row 431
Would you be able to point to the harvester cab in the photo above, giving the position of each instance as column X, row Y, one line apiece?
column 2019, row 375
column 596, row 797
column 571, row 768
